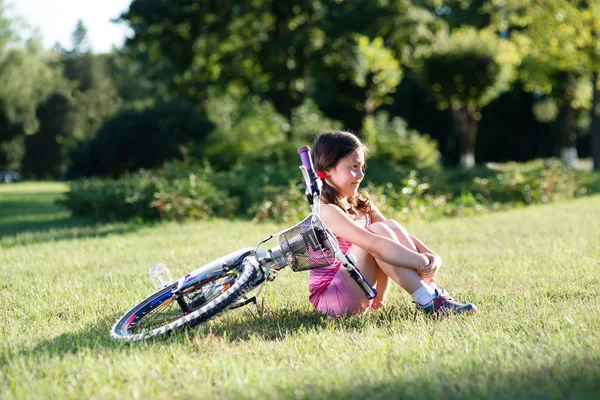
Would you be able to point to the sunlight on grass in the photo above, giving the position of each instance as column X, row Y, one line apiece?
column 533, row 273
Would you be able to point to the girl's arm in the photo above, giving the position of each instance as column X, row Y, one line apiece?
column 378, row 215
column 380, row 247
column 420, row 245
column 433, row 258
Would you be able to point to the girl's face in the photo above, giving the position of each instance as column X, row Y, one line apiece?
column 347, row 174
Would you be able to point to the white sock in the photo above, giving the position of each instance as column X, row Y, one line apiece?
column 433, row 286
column 423, row 295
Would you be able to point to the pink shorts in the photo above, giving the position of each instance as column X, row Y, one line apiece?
column 339, row 299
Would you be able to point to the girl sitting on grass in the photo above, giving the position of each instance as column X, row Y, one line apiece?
column 384, row 250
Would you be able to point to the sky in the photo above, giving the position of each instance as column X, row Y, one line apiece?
column 56, row 20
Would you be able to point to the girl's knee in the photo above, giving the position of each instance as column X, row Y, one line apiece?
column 382, row 229
column 395, row 226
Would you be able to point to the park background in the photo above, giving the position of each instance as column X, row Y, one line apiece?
column 472, row 110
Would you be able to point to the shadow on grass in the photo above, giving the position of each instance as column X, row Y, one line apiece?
column 31, row 218
column 233, row 328
column 91, row 338
column 566, row 379
column 567, row 376
column 283, row 322
column 36, row 231
column 277, row 326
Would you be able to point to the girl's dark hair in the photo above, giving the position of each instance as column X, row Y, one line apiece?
column 327, row 150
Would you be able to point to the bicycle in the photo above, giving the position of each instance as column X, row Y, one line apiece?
column 223, row 284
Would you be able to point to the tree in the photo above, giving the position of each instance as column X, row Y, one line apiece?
column 375, row 69
column 80, row 40
column 43, row 150
column 134, row 139
column 280, row 50
column 262, row 46
column 471, row 70
column 563, row 58
column 27, row 81
column 6, row 29
column 95, row 97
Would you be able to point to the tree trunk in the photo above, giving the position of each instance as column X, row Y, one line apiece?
column 568, row 151
column 595, row 124
column 466, row 127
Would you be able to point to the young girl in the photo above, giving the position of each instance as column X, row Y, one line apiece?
column 384, row 250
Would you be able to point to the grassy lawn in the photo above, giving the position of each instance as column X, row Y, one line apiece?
column 533, row 273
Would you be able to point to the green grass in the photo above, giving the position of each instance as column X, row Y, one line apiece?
column 533, row 273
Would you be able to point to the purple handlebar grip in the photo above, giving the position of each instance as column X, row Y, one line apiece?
column 304, row 152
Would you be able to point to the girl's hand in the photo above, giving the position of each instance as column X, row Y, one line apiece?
column 431, row 269
column 427, row 271
column 434, row 260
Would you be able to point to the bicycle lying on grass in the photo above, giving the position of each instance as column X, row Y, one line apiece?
column 224, row 284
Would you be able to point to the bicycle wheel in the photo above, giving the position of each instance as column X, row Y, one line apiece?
column 165, row 311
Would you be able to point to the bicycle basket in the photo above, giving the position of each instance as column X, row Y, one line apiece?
column 307, row 245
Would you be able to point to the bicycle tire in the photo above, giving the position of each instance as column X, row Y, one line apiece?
column 125, row 327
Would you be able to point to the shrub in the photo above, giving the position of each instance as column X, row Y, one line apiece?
column 251, row 129
column 176, row 191
column 398, row 150
column 464, row 192
column 274, row 192
column 186, row 192
column 538, row 181
column 307, row 121
column 280, row 203
column 129, row 196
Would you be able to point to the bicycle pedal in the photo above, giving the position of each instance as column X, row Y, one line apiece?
column 160, row 276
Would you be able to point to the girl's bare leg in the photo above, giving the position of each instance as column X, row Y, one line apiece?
column 378, row 273
column 404, row 238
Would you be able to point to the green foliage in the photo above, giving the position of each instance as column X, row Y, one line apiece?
column 43, row 155
column 251, row 128
column 80, row 41
column 464, row 192
column 471, row 69
column 6, row 29
column 559, row 45
column 184, row 193
column 12, row 153
column 394, row 145
column 460, row 13
column 538, row 181
column 545, row 110
column 544, row 181
column 307, row 121
column 280, row 204
column 103, row 199
column 175, row 192
column 95, row 95
column 145, row 138
column 418, row 32
column 375, row 69
column 27, row 80
column 268, row 192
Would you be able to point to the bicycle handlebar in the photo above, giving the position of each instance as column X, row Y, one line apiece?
column 307, row 163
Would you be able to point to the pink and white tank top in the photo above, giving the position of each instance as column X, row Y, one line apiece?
column 320, row 278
